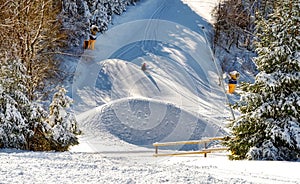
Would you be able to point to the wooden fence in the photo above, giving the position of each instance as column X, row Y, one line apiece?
column 205, row 151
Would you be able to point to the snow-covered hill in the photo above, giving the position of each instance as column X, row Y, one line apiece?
column 181, row 76
column 141, row 122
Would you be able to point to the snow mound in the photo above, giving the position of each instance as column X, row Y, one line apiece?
column 184, row 84
column 141, row 122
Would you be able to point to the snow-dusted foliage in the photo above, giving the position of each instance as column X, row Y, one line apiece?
column 21, row 122
column 79, row 15
column 63, row 122
column 269, row 128
column 233, row 36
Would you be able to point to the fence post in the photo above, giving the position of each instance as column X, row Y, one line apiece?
column 205, row 146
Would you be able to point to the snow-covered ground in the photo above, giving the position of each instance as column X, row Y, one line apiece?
column 132, row 167
column 123, row 110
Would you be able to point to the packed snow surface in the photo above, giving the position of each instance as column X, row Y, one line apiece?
column 133, row 167
column 123, row 110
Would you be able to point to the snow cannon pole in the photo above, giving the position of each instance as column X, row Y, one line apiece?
column 218, row 71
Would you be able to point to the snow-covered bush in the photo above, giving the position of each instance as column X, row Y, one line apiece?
column 269, row 128
column 63, row 123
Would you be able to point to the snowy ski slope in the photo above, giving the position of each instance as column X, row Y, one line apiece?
column 179, row 97
column 122, row 110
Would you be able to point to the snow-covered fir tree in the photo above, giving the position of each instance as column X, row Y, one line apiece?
column 269, row 127
column 25, row 124
column 78, row 15
column 21, row 122
column 63, row 122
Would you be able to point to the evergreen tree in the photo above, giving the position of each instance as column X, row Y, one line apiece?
column 21, row 122
column 77, row 16
column 269, row 127
column 63, row 122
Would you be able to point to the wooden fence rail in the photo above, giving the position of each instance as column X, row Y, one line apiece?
column 204, row 151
